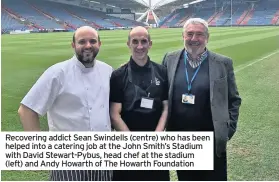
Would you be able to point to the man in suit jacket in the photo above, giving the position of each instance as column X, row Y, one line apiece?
column 203, row 95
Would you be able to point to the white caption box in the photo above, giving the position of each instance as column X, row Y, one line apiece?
column 107, row 150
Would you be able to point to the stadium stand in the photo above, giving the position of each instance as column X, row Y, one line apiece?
column 9, row 23
column 264, row 13
column 221, row 13
column 52, row 15
column 26, row 11
column 41, row 15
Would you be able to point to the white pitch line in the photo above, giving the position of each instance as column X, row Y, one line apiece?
column 256, row 61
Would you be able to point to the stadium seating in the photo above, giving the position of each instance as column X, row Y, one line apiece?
column 8, row 23
column 264, row 13
column 52, row 15
column 56, row 11
column 43, row 14
column 220, row 13
column 22, row 8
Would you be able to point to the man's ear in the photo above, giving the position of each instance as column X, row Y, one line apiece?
column 100, row 43
column 150, row 43
column 73, row 45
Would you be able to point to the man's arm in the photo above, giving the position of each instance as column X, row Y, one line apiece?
column 163, row 119
column 29, row 119
column 234, row 100
column 164, row 62
column 39, row 99
column 116, row 120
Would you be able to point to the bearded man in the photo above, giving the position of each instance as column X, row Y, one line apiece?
column 203, row 96
column 75, row 96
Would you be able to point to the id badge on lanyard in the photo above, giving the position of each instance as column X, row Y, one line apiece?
column 188, row 98
column 147, row 102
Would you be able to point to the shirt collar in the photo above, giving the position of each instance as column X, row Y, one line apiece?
column 200, row 57
column 136, row 67
column 81, row 66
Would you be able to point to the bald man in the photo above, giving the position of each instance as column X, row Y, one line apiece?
column 75, row 95
column 139, row 99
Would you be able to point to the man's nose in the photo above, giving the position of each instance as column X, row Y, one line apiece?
column 88, row 44
column 194, row 37
column 139, row 46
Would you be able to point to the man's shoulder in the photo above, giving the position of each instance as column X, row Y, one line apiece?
column 59, row 68
column 121, row 70
column 220, row 57
column 158, row 67
column 103, row 65
column 174, row 53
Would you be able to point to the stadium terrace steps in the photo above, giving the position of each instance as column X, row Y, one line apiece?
column 183, row 20
column 241, row 18
column 44, row 14
column 247, row 17
column 9, row 22
column 56, row 10
column 170, row 19
column 39, row 10
column 179, row 23
column 31, row 15
column 11, row 12
column 163, row 23
column 19, row 18
column 115, row 23
column 218, row 16
column 95, row 25
column 212, row 17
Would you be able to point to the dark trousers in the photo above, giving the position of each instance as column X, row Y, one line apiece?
column 80, row 175
column 218, row 174
column 141, row 175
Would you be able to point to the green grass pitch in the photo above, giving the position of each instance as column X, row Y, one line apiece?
column 252, row 152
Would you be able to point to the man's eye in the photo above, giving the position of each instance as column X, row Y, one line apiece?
column 93, row 41
column 134, row 41
column 144, row 41
column 81, row 42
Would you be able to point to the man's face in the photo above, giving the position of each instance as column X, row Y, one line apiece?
column 195, row 38
column 139, row 45
column 86, row 46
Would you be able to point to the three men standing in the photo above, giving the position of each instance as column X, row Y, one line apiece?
column 195, row 92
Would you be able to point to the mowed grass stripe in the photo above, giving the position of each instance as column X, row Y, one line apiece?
column 118, row 47
column 245, row 52
column 66, row 37
column 253, row 152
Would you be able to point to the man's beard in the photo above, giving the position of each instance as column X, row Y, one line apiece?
column 87, row 56
column 195, row 51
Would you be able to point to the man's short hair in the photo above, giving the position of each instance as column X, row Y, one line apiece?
column 74, row 38
column 148, row 35
column 196, row 21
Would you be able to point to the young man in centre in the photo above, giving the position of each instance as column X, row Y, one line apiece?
column 139, row 99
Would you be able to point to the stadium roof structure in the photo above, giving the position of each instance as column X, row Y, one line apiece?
column 132, row 4
column 149, row 5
